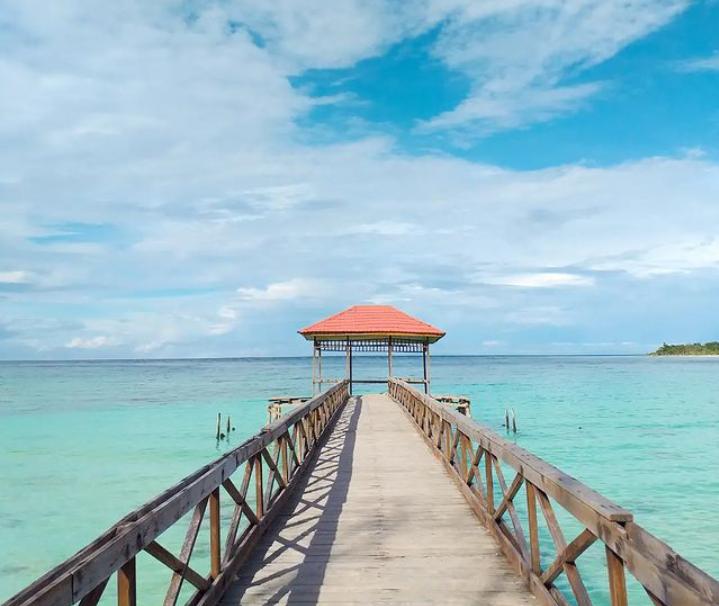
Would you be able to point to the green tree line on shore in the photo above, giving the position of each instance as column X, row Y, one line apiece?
column 710, row 348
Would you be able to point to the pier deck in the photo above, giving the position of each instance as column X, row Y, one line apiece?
column 366, row 529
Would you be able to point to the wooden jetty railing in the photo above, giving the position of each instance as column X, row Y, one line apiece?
column 473, row 454
column 273, row 461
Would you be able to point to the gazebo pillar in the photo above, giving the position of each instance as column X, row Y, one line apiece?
column 425, row 366
column 314, row 367
column 389, row 357
column 319, row 367
column 348, row 362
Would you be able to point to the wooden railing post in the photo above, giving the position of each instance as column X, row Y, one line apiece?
column 259, row 502
column 533, row 528
column 285, row 459
column 127, row 584
column 464, row 469
column 215, row 555
column 490, row 481
column 617, row 580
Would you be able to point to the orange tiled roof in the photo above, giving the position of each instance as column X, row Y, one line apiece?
column 369, row 320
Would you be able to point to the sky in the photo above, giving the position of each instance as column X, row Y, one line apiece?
column 200, row 179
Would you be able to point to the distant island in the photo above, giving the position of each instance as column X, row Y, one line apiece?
column 711, row 348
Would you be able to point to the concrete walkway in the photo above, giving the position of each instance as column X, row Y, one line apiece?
column 377, row 521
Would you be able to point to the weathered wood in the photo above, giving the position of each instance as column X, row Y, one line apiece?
column 617, row 582
column 215, row 549
column 92, row 598
column 666, row 576
column 537, row 471
column 239, row 496
column 509, row 496
column 255, row 533
column 127, row 584
column 188, row 544
column 365, row 531
column 489, row 477
column 285, row 460
column 175, row 564
column 241, row 506
column 533, row 529
column 568, row 555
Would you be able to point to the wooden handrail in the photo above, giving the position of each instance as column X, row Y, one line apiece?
column 277, row 457
column 461, row 443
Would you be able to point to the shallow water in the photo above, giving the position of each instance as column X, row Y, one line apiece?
column 82, row 443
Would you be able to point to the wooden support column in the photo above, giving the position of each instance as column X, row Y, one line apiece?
column 347, row 361
column 425, row 367
column 127, row 584
column 350, row 358
column 389, row 357
column 429, row 371
column 314, row 366
column 319, row 367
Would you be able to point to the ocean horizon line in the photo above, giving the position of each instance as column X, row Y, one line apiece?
column 338, row 355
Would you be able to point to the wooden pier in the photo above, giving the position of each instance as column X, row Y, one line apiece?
column 365, row 530
column 377, row 499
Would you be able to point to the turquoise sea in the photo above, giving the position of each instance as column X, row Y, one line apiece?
column 82, row 443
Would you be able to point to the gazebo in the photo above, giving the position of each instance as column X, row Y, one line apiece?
column 370, row 328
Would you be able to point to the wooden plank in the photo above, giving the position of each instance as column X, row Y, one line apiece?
column 411, row 522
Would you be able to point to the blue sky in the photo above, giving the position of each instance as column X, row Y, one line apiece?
column 204, row 178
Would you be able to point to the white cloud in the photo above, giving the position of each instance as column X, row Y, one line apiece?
column 498, row 111
column 385, row 228
column 540, row 280
column 291, row 290
column 184, row 137
column 517, row 54
column 702, row 64
column 315, row 34
column 676, row 257
column 548, row 315
column 228, row 318
column 95, row 342
column 15, row 277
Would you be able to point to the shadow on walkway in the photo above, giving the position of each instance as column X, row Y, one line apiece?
column 289, row 564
